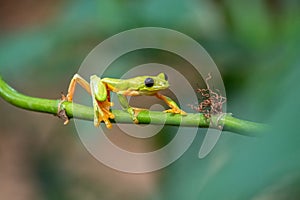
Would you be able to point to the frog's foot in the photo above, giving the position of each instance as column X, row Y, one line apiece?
column 133, row 111
column 105, row 106
column 103, row 114
column 63, row 97
column 103, row 117
column 175, row 110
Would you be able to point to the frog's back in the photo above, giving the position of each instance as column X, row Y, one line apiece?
column 124, row 84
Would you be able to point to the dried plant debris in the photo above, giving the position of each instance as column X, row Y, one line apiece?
column 61, row 112
column 211, row 102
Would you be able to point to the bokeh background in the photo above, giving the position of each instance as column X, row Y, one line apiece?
column 256, row 46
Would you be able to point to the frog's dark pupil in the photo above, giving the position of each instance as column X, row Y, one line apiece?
column 166, row 77
column 149, row 82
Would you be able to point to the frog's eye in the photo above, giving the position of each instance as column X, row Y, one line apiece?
column 149, row 82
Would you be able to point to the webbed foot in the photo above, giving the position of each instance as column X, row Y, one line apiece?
column 103, row 113
column 175, row 110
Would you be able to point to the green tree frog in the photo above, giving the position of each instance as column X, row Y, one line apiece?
column 100, row 90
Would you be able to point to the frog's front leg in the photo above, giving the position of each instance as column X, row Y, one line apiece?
column 131, row 110
column 101, row 102
column 174, row 107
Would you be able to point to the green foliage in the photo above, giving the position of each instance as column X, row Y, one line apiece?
column 256, row 46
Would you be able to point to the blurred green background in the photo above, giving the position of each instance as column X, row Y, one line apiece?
column 256, row 46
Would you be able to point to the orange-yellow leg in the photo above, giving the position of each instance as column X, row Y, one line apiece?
column 76, row 79
column 102, row 113
column 83, row 83
column 174, row 108
column 105, row 106
column 102, row 108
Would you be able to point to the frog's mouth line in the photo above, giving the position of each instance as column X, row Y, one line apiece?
column 160, row 88
column 152, row 91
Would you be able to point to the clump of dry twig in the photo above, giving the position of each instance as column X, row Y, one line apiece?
column 211, row 102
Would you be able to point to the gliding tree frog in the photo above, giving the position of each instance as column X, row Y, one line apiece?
column 100, row 90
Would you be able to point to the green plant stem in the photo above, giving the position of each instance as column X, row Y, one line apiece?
column 73, row 110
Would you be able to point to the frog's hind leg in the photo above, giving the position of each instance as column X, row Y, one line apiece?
column 83, row 83
column 76, row 79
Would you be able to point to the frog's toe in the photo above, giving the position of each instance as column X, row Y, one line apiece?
column 175, row 111
column 107, row 123
column 105, row 118
column 107, row 114
column 111, row 116
column 97, row 123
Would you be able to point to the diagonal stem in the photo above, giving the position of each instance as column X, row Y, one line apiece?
column 73, row 110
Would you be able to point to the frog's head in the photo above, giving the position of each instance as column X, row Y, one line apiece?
column 153, row 84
